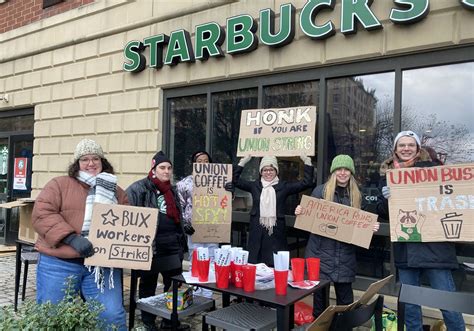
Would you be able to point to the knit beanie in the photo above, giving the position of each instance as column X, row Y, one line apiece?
column 86, row 147
column 269, row 161
column 406, row 134
column 199, row 153
column 159, row 157
column 343, row 161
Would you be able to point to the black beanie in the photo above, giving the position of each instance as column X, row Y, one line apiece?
column 199, row 153
column 159, row 157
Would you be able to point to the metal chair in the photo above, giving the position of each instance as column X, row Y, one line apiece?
column 424, row 296
column 241, row 317
column 347, row 320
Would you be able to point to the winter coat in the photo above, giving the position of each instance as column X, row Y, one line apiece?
column 59, row 211
column 337, row 259
column 260, row 244
column 417, row 255
column 169, row 245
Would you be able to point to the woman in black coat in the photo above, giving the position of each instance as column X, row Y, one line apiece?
column 267, row 232
column 338, row 259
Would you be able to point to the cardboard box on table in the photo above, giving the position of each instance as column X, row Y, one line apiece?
column 25, row 231
column 323, row 322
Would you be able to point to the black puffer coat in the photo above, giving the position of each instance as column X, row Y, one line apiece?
column 170, row 242
column 441, row 255
column 338, row 259
column 261, row 245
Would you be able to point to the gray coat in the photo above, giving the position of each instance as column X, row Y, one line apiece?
column 338, row 259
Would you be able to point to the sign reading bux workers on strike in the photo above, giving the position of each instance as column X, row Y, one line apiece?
column 278, row 132
column 212, row 204
column 432, row 204
column 122, row 236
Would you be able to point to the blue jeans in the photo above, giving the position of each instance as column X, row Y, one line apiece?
column 440, row 279
column 51, row 275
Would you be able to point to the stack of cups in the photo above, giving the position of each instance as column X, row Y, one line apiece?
column 194, row 264
column 249, row 272
column 240, row 259
column 281, row 262
column 222, row 268
column 203, row 264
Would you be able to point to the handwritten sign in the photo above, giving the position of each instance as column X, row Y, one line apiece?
column 212, row 204
column 432, row 204
column 122, row 236
column 278, row 132
column 336, row 221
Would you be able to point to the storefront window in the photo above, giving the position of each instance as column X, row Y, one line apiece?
column 187, row 131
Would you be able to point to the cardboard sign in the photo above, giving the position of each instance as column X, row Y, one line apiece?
column 432, row 204
column 323, row 322
column 212, row 204
column 122, row 236
column 19, row 175
column 278, row 132
column 336, row 221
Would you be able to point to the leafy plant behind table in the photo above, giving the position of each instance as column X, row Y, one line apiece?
column 71, row 313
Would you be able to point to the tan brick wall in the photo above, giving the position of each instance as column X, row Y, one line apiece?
column 78, row 88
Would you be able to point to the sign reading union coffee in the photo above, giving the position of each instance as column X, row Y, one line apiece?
column 240, row 33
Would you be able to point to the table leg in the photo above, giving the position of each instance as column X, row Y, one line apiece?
column 17, row 273
column 283, row 318
column 174, row 314
column 292, row 316
column 225, row 299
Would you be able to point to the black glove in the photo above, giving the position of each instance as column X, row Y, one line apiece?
column 82, row 245
column 230, row 187
column 188, row 229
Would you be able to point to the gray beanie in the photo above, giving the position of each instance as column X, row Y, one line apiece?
column 268, row 161
column 87, row 146
column 406, row 134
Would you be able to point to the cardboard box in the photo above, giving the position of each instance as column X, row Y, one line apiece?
column 323, row 322
column 25, row 231
column 185, row 298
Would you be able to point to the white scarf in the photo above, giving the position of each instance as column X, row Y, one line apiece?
column 268, row 204
column 103, row 188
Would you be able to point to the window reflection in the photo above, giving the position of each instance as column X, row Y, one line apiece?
column 187, row 131
column 438, row 104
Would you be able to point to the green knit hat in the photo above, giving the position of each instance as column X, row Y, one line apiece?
column 343, row 161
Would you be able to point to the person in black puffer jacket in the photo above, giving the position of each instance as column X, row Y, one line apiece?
column 338, row 259
column 169, row 245
column 435, row 260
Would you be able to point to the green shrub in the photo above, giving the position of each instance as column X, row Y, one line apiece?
column 71, row 313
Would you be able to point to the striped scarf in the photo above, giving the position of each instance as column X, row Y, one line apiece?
column 103, row 189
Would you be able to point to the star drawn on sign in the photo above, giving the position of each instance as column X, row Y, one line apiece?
column 109, row 218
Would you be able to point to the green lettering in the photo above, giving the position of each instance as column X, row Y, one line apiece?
column 132, row 53
column 415, row 11
column 468, row 4
column 287, row 26
column 308, row 16
column 209, row 39
column 241, row 34
column 352, row 9
column 156, row 44
column 179, row 48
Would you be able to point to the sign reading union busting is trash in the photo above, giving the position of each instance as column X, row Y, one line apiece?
column 336, row 221
column 432, row 204
column 122, row 236
column 212, row 204
column 278, row 132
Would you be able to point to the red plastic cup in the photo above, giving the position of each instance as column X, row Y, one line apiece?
column 231, row 273
column 297, row 268
column 312, row 263
column 249, row 272
column 281, row 281
column 222, row 276
column 203, row 267
column 237, row 276
column 194, row 264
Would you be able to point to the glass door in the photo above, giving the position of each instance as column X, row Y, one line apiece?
column 4, row 150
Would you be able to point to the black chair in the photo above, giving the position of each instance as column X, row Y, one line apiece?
column 347, row 320
column 424, row 296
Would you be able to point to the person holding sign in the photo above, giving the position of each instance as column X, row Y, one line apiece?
column 62, row 217
column 338, row 259
column 435, row 260
column 267, row 217
column 169, row 245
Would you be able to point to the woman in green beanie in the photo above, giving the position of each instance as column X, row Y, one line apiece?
column 338, row 259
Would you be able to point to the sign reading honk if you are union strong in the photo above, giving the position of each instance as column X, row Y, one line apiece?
column 278, row 132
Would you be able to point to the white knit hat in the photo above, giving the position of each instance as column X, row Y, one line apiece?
column 269, row 161
column 87, row 146
column 406, row 134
